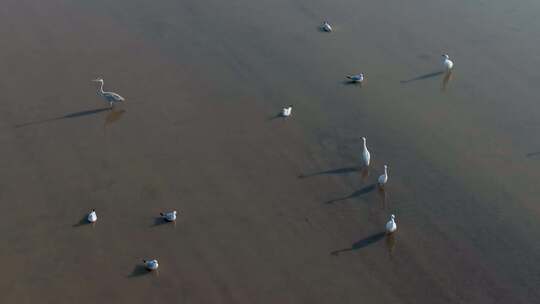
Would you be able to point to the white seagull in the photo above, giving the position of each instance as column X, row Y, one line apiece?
column 383, row 179
column 151, row 264
column 110, row 97
column 92, row 216
column 365, row 154
column 448, row 64
column 169, row 216
column 391, row 226
column 359, row 78
column 326, row 27
column 287, row 111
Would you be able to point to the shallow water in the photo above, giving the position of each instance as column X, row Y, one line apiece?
column 202, row 80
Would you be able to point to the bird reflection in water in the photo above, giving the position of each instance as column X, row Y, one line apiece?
column 446, row 80
column 391, row 243
column 113, row 116
column 364, row 173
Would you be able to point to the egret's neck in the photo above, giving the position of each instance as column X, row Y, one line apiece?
column 100, row 90
column 385, row 171
column 365, row 146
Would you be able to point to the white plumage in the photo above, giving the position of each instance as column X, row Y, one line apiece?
column 358, row 78
column 151, row 264
column 169, row 216
column 110, row 97
column 326, row 27
column 391, row 226
column 383, row 179
column 447, row 63
column 92, row 216
column 287, row 111
column 365, row 154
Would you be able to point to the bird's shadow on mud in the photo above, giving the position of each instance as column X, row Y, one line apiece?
column 160, row 221
column 139, row 271
column 277, row 116
column 422, row 77
column 82, row 222
column 67, row 116
column 351, row 83
column 357, row 193
column 372, row 239
column 343, row 170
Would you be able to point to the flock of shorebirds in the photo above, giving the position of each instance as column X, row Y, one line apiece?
column 391, row 226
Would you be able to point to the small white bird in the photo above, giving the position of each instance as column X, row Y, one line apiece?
column 110, row 97
column 359, row 78
column 169, row 216
column 287, row 111
column 92, row 216
column 365, row 154
column 448, row 64
column 326, row 27
column 383, row 179
column 151, row 264
column 391, row 226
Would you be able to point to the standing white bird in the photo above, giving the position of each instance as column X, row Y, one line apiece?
column 169, row 216
column 359, row 78
column 110, row 97
column 448, row 64
column 151, row 264
column 365, row 154
column 287, row 111
column 92, row 216
column 383, row 179
column 326, row 27
column 391, row 226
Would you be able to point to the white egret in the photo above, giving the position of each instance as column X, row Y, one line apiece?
column 391, row 226
column 287, row 111
column 151, row 264
column 365, row 153
column 110, row 97
column 169, row 216
column 92, row 216
column 448, row 64
column 383, row 179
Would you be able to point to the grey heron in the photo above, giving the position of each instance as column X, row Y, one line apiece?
column 110, row 97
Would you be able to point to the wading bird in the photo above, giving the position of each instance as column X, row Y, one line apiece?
column 287, row 111
column 383, row 179
column 365, row 154
column 92, row 216
column 391, row 226
column 448, row 64
column 110, row 97
column 169, row 216
column 151, row 264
